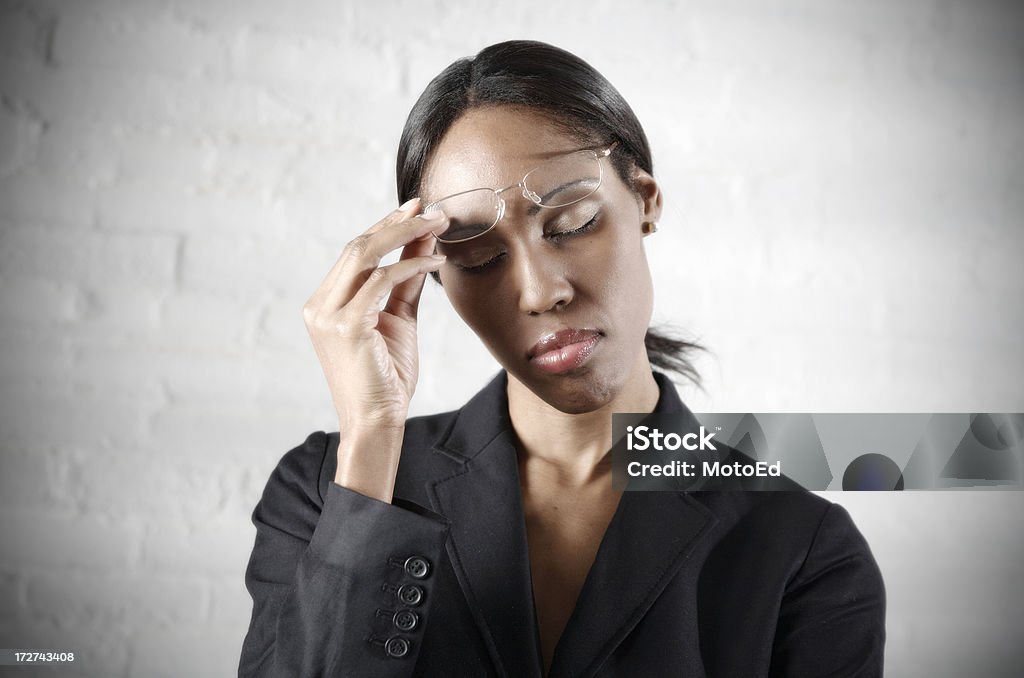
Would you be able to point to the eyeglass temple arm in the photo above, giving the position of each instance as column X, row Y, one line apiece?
column 605, row 152
column 600, row 153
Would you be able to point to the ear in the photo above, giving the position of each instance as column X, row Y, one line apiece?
column 648, row 197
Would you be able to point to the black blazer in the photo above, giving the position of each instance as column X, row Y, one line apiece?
column 437, row 583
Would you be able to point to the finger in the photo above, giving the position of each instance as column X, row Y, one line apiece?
column 363, row 256
column 367, row 302
column 405, row 211
column 405, row 298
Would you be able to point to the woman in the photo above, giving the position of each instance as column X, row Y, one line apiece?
column 498, row 547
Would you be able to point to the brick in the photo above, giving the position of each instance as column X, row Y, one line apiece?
column 12, row 595
column 225, row 320
column 877, row 24
column 85, row 38
column 245, row 264
column 174, row 652
column 31, row 479
column 55, row 540
column 320, row 18
column 194, row 211
column 121, row 482
column 117, row 314
column 100, row 650
column 108, row 368
column 228, row 380
column 27, row 198
column 757, row 38
column 195, row 374
column 82, row 257
column 224, row 105
column 102, row 419
column 809, row 122
column 992, row 267
column 971, row 379
column 281, row 326
column 20, row 131
column 977, row 45
column 173, row 549
column 242, row 432
column 149, row 98
column 27, row 352
column 284, row 379
column 186, row 373
column 333, row 217
column 78, row 152
column 41, row 303
column 106, row 156
column 310, row 62
column 82, row 599
column 331, row 174
column 24, row 32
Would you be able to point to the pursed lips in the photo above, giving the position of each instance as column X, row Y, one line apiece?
column 560, row 339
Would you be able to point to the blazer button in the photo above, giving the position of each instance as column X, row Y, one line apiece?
column 417, row 567
column 410, row 594
column 406, row 620
column 396, row 647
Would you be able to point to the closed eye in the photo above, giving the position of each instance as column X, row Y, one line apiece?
column 558, row 235
column 479, row 268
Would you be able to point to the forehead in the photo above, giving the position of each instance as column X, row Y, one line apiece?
column 492, row 147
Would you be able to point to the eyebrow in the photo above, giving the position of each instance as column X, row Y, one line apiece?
column 534, row 208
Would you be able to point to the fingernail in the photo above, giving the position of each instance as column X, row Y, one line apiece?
column 438, row 257
column 433, row 215
column 407, row 204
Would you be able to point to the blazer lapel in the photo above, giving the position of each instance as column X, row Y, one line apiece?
column 645, row 544
column 647, row 541
column 487, row 542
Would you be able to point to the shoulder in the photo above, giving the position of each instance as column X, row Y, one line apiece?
column 784, row 536
column 782, row 521
column 788, row 506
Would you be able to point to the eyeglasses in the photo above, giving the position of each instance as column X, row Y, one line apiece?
column 556, row 182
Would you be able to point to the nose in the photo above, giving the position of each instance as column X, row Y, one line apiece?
column 542, row 281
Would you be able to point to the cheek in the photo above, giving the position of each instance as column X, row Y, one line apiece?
column 475, row 304
column 627, row 281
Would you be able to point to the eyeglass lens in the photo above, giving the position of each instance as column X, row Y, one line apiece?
column 557, row 182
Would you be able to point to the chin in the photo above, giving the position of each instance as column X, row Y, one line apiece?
column 576, row 392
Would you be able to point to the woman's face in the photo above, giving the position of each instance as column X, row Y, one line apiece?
column 562, row 298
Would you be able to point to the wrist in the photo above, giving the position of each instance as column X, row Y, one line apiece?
column 368, row 425
column 368, row 460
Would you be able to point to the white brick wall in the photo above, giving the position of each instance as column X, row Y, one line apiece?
column 843, row 228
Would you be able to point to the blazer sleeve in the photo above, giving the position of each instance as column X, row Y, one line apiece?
column 832, row 617
column 340, row 584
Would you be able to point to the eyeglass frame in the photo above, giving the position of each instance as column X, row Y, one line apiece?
column 599, row 153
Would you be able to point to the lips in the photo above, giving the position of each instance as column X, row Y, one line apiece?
column 564, row 350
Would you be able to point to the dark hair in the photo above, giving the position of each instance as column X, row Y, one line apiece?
column 575, row 97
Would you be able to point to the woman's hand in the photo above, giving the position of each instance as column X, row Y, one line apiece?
column 362, row 321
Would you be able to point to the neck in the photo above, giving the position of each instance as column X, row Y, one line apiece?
column 576, row 448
